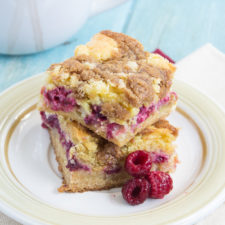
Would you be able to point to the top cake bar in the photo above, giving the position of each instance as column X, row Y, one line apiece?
column 112, row 86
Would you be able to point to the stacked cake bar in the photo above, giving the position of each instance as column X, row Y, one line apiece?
column 110, row 99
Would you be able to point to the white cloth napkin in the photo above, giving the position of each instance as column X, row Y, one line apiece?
column 204, row 69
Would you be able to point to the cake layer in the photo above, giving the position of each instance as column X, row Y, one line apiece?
column 120, row 134
column 81, row 180
column 108, row 85
column 89, row 162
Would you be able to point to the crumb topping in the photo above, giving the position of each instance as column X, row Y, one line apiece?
column 139, row 89
column 100, row 47
column 109, row 153
column 114, row 66
column 167, row 125
column 114, row 110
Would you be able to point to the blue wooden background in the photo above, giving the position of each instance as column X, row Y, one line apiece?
column 175, row 26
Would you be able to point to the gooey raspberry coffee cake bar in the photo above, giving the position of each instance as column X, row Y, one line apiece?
column 89, row 162
column 111, row 86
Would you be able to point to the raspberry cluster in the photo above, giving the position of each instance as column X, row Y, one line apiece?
column 146, row 183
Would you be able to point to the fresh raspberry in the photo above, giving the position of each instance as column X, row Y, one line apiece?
column 136, row 191
column 160, row 182
column 138, row 163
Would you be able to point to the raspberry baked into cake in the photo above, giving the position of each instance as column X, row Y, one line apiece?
column 89, row 162
column 111, row 86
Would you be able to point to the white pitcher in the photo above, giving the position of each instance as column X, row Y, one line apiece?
column 29, row 26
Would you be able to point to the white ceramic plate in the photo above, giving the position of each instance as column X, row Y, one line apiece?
column 29, row 178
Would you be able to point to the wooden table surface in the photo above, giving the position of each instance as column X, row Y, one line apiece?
column 176, row 26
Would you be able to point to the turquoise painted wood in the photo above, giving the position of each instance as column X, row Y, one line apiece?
column 175, row 26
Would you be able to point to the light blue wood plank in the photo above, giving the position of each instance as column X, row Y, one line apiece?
column 178, row 27
column 16, row 68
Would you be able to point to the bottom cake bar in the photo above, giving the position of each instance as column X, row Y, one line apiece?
column 89, row 162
